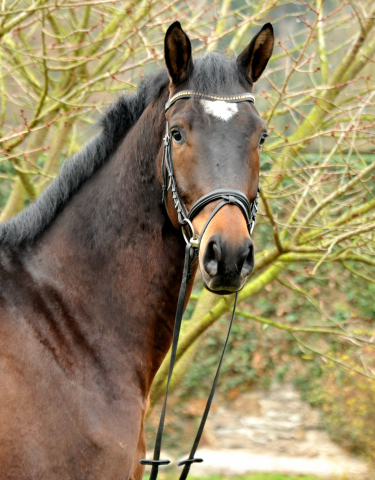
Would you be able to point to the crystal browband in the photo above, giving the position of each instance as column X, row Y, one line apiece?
column 242, row 97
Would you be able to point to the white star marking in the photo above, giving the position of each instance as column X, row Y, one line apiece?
column 220, row 109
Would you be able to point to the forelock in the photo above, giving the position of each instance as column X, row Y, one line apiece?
column 214, row 74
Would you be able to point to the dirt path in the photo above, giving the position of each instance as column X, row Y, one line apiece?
column 230, row 462
column 273, row 431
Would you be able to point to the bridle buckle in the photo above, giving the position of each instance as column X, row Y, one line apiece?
column 189, row 236
column 194, row 242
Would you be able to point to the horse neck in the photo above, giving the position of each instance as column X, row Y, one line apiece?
column 112, row 261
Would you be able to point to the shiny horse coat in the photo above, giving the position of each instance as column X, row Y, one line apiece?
column 90, row 272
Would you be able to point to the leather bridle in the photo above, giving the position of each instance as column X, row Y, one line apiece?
column 229, row 196
column 185, row 218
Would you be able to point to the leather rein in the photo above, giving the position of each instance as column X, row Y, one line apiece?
column 228, row 197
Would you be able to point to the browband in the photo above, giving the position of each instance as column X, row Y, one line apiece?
column 242, row 97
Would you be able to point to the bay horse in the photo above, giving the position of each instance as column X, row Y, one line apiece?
column 90, row 272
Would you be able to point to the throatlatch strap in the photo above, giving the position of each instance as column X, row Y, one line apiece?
column 156, row 462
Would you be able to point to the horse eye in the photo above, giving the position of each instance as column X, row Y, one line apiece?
column 262, row 139
column 177, row 137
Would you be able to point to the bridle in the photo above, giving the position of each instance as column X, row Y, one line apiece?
column 229, row 196
column 185, row 218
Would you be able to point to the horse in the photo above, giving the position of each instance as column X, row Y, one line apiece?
column 90, row 271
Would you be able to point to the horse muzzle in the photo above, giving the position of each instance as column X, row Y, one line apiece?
column 225, row 267
column 226, row 253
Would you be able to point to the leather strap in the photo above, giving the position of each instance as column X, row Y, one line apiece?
column 213, row 213
column 156, row 462
column 186, row 276
column 169, row 181
column 188, row 462
column 235, row 197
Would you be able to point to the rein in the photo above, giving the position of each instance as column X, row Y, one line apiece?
column 185, row 218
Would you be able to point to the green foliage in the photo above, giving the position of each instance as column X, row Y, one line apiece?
column 360, row 294
column 7, row 175
column 347, row 400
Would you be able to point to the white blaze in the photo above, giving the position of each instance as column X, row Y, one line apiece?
column 220, row 109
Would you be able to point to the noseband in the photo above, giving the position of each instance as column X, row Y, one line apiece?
column 185, row 218
column 228, row 195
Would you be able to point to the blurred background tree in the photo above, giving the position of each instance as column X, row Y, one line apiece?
column 310, row 302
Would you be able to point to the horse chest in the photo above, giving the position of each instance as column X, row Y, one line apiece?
column 55, row 428
column 56, row 423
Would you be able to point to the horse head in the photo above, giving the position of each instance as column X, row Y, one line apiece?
column 216, row 137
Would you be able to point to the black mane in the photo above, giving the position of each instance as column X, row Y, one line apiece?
column 115, row 124
column 213, row 73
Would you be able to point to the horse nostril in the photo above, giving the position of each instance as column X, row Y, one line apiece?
column 228, row 264
column 212, row 258
column 248, row 265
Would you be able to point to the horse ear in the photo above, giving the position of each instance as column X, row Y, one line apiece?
column 253, row 60
column 177, row 54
